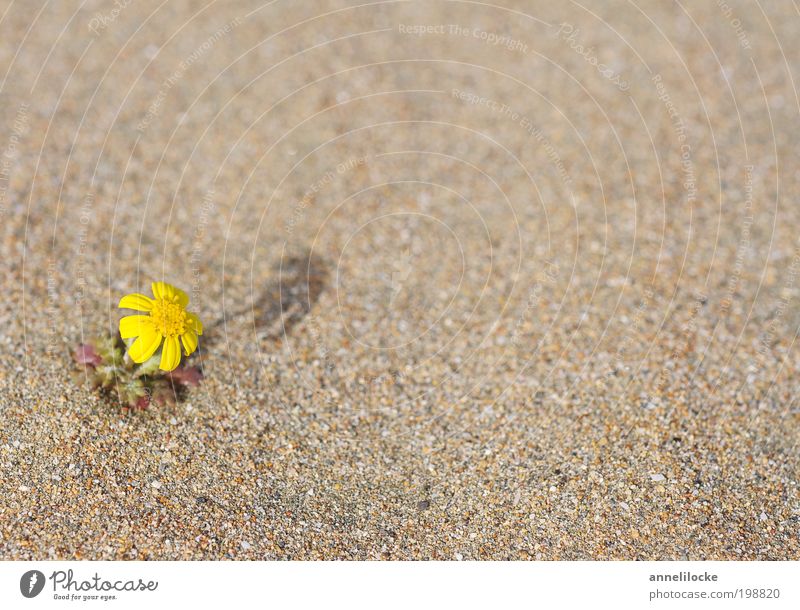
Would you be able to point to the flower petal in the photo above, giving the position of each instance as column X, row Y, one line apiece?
column 189, row 340
column 136, row 301
column 162, row 290
column 194, row 322
column 133, row 326
column 170, row 354
column 183, row 298
column 146, row 345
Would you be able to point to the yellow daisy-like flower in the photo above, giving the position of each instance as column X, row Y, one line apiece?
column 166, row 320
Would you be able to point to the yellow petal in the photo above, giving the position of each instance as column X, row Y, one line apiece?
column 170, row 354
column 136, row 301
column 146, row 345
column 162, row 290
column 194, row 323
column 183, row 298
column 189, row 340
column 133, row 326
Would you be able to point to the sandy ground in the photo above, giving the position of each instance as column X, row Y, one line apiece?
column 521, row 283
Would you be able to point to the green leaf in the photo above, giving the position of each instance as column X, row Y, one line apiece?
column 149, row 367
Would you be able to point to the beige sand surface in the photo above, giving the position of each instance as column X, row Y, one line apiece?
column 525, row 287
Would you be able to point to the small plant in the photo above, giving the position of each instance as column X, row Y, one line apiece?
column 129, row 367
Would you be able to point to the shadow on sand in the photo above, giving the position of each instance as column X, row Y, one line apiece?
column 296, row 286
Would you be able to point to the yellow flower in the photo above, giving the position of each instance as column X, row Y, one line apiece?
column 166, row 319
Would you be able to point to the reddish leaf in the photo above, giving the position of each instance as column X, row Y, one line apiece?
column 189, row 375
column 143, row 402
column 86, row 354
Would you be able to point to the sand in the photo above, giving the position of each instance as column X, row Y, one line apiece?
column 479, row 281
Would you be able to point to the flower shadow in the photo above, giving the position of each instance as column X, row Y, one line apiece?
column 285, row 301
column 291, row 296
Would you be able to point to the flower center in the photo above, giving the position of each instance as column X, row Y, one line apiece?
column 169, row 318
